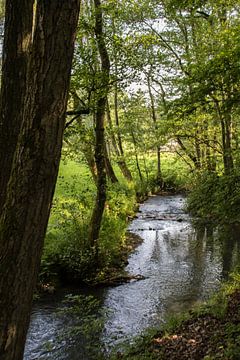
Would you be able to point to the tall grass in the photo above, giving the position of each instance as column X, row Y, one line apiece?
column 66, row 251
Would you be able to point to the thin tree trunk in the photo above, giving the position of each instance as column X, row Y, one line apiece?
column 136, row 157
column 154, row 118
column 146, row 168
column 120, row 159
column 117, row 120
column 17, row 38
column 188, row 153
column 109, row 169
column 210, row 156
column 122, row 162
column 228, row 143
column 225, row 121
column 24, row 219
column 124, row 166
column 98, row 210
column 91, row 164
column 197, row 150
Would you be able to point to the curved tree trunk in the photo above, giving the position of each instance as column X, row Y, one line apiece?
column 24, row 219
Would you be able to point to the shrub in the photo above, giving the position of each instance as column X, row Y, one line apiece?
column 66, row 252
column 216, row 197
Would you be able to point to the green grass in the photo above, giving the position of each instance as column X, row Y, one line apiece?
column 73, row 175
column 176, row 173
column 66, row 248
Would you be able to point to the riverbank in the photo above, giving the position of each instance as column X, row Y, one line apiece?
column 69, row 262
column 67, row 257
column 210, row 331
column 112, row 276
column 181, row 265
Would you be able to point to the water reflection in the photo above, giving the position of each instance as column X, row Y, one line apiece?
column 228, row 236
column 182, row 264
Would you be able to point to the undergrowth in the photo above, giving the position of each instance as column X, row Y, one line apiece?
column 216, row 198
column 66, row 255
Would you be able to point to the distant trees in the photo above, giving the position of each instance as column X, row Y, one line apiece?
column 33, row 100
column 173, row 75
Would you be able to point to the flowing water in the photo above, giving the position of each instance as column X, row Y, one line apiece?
column 182, row 266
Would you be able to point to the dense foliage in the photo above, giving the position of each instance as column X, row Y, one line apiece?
column 153, row 106
column 67, row 255
column 171, row 123
column 216, row 198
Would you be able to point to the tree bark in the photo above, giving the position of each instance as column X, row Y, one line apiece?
column 17, row 38
column 98, row 210
column 24, row 219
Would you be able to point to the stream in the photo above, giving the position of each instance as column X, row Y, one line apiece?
column 182, row 265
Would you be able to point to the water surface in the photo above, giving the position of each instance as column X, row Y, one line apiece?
column 182, row 266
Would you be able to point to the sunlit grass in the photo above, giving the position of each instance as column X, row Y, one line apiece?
column 73, row 175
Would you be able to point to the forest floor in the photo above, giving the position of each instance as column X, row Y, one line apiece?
column 211, row 333
column 206, row 336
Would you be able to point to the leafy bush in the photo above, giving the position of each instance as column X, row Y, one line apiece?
column 65, row 248
column 66, row 252
column 216, row 197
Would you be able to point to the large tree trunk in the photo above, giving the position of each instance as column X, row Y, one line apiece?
column 17, row 36
column 98, row 210
column 24, row 219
